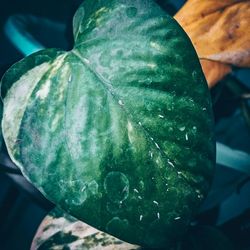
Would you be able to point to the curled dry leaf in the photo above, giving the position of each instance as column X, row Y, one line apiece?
column 219, row 31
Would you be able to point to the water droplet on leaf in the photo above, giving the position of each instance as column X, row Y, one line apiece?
column 131, row 12
column 116, row 185
column 182, row 128
column 121, row 102
column 70, row 78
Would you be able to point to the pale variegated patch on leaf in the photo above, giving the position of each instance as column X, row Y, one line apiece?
column 117, row 131
column 60, row 231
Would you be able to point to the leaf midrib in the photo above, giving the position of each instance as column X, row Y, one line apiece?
column 108, row 86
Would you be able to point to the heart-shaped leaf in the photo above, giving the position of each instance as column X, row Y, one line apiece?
column 117, row 131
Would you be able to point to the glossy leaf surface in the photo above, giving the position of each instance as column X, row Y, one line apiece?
column 117, row 131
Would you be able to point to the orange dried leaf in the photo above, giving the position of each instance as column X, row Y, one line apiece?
column 219, row 30
column 214, row 71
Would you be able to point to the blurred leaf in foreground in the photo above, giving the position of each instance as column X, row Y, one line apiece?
column 219, row 31
column 62, row 231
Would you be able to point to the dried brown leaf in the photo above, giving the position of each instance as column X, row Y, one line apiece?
column 214, row 71
column 219, row 30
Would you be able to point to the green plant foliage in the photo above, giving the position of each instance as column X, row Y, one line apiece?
column 119, row 130
column 206, row 238
column 234, row 159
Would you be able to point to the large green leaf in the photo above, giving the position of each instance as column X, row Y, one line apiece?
column 117, row 131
